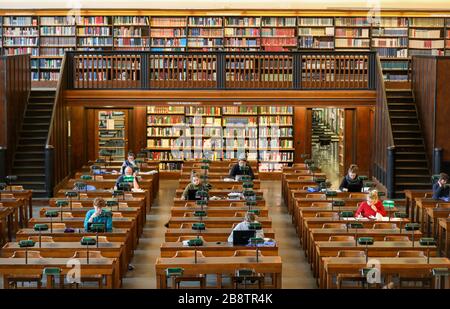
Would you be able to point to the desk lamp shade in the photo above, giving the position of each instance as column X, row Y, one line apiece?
column 249, row 193
column 97, row 227
column 347, row 214
column 199, row 226
column 10, row 179
column 62, row 203
column 111, row 203
column 427, row 241
column 73, row 193
column 256, row 212
column 174, row 272
column 388, row 204
column 254, row 226
column 401, row 215
column 86, row 177
column 363, row 178
column 195, row 242
column 356, row 225
column 319, row 179
column 412, row 227
column 206, row 161
column 338, row 203
column 247, row 185
column 246, row 178
column 204, row 167
column 117, row 193
column 51, row 213
column 80, row 185
column 88, row 241
column 26, row 243
column 330, row 194
column 364, row 241
column 124, row 186
column 200, row 202
column 200, row 213
column 40, row 227
column 201, row 194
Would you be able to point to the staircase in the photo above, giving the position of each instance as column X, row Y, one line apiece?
column 411, row 164
column 29, row 160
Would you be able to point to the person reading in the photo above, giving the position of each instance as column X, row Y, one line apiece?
column 351, row 182
column 440, row 189
column 238, row 169
column 129, row 162
column 372, row 208
column 128, row 177
column 190, row 192
column 97, row 215
column 244, row 226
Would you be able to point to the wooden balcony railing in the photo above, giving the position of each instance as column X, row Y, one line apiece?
column 221, row 70
column 383, row 155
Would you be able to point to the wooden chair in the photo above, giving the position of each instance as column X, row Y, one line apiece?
column 326, row 214
column 117, row 215
column 66, row 214
column 410, row 253
column 246, row 253
column 77, row 205
column 59, row 225
column 357, row 195
column 334, row 226
column 385, row 226
column 98, row 279
column 186, row 226
column 17, row 281
column 43, row 238
column 252, row 280
column 351, row 253
column 396, row 238
column 341, row 238
column 188, row 253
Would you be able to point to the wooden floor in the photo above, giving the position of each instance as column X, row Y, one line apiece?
column 296, row 271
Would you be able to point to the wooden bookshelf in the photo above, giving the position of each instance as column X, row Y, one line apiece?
column 315, row 33
column 168, row 33
column 242, row 33
column 111, row 133
column 352, row 33
column 341, row 143
column 447, row 37
column 426, row 36
column 278, row 33
column 205, row 33
column 94, row 33
column 131, row 32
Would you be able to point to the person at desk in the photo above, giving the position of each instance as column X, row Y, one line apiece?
column 97, row 215
column 440, row 188
column 192, row 188
column 238, row 168
column 244, row 226
column 122, row 178
column 372, row 208
column 351, row 182
column 129, row 162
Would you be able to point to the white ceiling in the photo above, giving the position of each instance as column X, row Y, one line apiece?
column 225, row 4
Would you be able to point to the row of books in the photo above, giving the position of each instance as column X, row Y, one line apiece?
column 195, row 76
column 396, row 77
column 279, row 21
column 271, row 167
column 130, row 31
column 94, row 31
column 346, row 32
column 57, row 21
column 208, row 32
column 277, row 156
column 131, row 20
column 392, row 42
column 352, row 21
column 50, row 63
column 244, row 32
column 425, row 34
column 20, row 41
column 168, row 32
column 427, row 22
column 393, row 22
column 392, row 53
column 24, row 31
column 278, row 120
column 402, row 32
column 131, row 42
column 20, row 21
column 205, row 21
column 315, row 43
column 275, row 143
column 204, row 42
column 328, row 31
column 165, row 109
column 52, row 41
column 313, row 21
column 278, row 32
column 202, row 110
column 57, row 30
column 349, row 43
column 426, row 44
column 398, row 65
column 278, row 41
column 169, row 42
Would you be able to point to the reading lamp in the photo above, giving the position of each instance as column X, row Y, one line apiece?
column 97, row 228
column 112, row 203
column 202, row 194
column 61, row 204
column 245, row 169
column 51, row 214
column 412, row 227
column 124, row 186
column 70, row 195
column 248, row 185
column 356, row 226
column 95, row 168
column 256, row 241
column 81, row 186
column 400, row 215
column 331, row 194
column 117, row 193
column 246, row 178
column 345, row 214
column 365, row 241
column 9, row 180
column 339, row 204
column 88, row 241
column 26, row 244
column 174, row 272
column 250, row 204
column 389, row 204
column 199, row 227
column 201, row 203
column 86, row 177
column 39, row 228
column 427, row 241
column 101, row 161
column 200, row 214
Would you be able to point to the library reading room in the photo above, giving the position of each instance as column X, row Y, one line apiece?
column 202, row 145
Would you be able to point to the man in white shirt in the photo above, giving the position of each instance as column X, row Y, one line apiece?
column 244, row 226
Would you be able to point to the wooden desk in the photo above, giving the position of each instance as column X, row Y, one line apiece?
column 219, row 184
column 213, row 173
column 117, row 235
column 6, row 223
column 378, row 235
column 420, row 209
column 107, row 194
column 217, row 211
column 378, row 249
column 218, row 192
column 432, row 215
column 389, row 266
column 209, row 234
column 218, row 266
column 215, row 203
column 18, row 207
column 216, row 222
column 105, row 266
column 223, row 249
column 444, row 236
column 410, row 197
column 68, row 249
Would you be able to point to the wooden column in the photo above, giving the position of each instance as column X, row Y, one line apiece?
column 302, row 132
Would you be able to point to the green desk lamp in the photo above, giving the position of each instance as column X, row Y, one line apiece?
column 39, row 228
column 26, row 244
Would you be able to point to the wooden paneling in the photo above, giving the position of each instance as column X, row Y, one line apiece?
column 424, row 85
column 302, row 132
column 15, row 86
column 79, row 141
column 442, row 136
column 138, row 129
column 363, row 140
column 350, row 138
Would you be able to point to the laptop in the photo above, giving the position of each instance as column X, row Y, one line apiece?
column 192, row 195
column 354, row 187
column 242, row 238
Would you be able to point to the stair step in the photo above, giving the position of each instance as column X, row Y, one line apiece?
column 39, row 155
column 29, row 169
column 33, row 133
column 410, row 163
column 39, row 106
column 31, row 177
column 25, row 163
column 36, row 126
column 31, row 185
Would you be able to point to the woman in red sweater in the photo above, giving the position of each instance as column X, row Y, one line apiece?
column 371, row 207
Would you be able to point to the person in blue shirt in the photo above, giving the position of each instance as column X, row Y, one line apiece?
column 440, row 189
column 97, row 215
